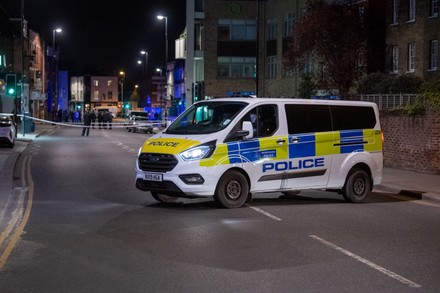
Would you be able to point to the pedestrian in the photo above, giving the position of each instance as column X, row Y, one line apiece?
column 104, row 120
column 110, row 119
column 93, row 116
column 87, row 123
column 100, row 119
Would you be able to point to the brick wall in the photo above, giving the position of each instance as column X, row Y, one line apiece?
column 412, row 143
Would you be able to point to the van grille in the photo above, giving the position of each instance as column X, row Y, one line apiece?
column 157, row 162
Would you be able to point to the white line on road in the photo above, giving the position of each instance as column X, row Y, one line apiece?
column 368, row 263
column 264, row 213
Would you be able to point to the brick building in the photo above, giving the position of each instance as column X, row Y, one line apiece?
column 413, row 33
column 238, row 46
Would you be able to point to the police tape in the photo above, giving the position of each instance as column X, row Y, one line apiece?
column 96, row 124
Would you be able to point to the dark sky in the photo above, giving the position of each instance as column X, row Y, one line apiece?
column 102, row 37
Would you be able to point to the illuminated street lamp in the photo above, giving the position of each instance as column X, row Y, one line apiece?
column 160, row 17
column 57, row 30
column 143, row 52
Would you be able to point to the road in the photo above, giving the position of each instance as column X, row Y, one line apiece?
column 85, row 228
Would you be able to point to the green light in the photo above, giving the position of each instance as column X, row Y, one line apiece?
column 11, row 91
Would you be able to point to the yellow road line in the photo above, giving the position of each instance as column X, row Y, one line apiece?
column 4, row 257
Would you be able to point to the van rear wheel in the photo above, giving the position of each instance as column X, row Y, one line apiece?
column 357, row 186
column 164, row 198
column 232, row 190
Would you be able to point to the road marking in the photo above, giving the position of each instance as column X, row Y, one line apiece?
column 368, row 263
column 4, row 257
column 263, row 212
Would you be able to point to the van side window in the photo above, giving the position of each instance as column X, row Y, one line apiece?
column 264, row 120
column 349, row 117
column 308, row 118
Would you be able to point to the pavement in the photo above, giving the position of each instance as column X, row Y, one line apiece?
column 395, row 181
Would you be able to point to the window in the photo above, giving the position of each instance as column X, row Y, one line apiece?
column 271, row 29
column 395, row 10
column 96, row 82
column 433, row 8
column 346, row 117
column 308, row 118
column 264, row 120
column 237, row 30
column 411, row 57
column 395, row 60
column 96, row 95
column 206, row 117
column 411, row 10
column 320, row 118
column 288, row 25
column 272, row 67
column 433, row 55
column 236, row 67
column 109, row 82
column 110, row 95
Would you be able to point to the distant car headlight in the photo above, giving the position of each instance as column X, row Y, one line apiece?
column 199, row 152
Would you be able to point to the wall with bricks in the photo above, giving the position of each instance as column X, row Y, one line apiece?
column 412, row 143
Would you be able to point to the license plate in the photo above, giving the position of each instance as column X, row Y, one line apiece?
column 153, row 177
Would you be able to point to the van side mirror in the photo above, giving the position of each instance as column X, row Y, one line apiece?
column 247, row 126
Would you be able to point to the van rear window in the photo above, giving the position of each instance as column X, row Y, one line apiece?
column 319, row 118
column 346, row 117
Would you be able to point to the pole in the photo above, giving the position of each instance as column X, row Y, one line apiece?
column 22, row 66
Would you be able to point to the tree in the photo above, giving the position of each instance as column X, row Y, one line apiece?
column 306, row 87
column 332, row 34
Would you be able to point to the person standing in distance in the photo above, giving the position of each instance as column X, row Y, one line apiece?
column 87, row 123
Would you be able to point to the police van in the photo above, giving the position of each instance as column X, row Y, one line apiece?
column 231, row 148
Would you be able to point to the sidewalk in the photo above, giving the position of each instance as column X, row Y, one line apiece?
column 424, row 186
column 40, row 128
column 396, row 181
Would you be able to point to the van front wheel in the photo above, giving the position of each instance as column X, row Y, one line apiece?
column 232, row 190
column 357, row 186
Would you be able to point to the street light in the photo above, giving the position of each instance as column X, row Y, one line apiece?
column 57, row 30
column 160, row 17
column 121, row 82
column 143, row 52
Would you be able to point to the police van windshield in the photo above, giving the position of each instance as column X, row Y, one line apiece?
column 206, row 117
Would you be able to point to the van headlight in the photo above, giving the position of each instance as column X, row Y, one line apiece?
column 199, row 152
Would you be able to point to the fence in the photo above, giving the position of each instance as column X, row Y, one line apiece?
column 386, row 102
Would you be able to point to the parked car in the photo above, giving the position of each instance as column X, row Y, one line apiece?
column 7, row 131
column 139, row 123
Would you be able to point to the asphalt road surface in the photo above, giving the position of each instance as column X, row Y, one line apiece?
column 84, row 227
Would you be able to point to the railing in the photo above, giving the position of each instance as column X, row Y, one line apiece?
column 386, row 102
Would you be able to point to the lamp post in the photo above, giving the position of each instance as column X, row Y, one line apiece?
column 121, row 82
column 160, row 17
column 143, row 52
column 57, row 30
column 55, row 101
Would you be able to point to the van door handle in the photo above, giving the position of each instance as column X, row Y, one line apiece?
column 295, row 139
column 281, row 140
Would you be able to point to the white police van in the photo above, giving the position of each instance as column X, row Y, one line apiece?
column 230, row 148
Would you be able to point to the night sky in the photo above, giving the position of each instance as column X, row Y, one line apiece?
column 103, row 37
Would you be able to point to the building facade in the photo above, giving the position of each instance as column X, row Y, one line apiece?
column 413, row 33
column 88, row 92
column 237, row 47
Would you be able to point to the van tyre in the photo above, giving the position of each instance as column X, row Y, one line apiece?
column 232, row 190
column 164, row 198
column 357, row 186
